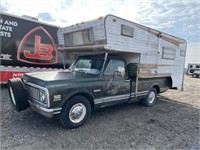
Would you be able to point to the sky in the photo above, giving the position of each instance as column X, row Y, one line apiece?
column 180, row 18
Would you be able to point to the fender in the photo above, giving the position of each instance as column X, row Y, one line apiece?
column 82, row 92
column 156, row 86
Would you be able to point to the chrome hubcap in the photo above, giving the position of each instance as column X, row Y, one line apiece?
column 152, row 97
column 77, row 113
column 12, row 96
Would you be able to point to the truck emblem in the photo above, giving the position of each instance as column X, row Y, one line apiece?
column 97, row 90
column 36, row 45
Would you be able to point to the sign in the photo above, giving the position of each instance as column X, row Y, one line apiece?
column 39, row 53
column 28, row 43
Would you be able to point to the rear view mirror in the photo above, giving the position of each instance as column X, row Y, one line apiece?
column 121, row 71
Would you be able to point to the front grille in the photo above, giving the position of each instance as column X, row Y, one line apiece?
column 33, row 92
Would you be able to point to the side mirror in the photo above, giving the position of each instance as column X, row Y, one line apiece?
column 121, row 71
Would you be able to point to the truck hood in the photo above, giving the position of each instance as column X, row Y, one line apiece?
column 52, row 78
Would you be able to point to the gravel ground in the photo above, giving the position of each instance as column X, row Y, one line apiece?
column 173, row 123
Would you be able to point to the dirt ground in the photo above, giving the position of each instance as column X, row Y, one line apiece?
column 173, row 123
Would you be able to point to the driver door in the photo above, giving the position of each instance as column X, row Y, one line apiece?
column 116, row 88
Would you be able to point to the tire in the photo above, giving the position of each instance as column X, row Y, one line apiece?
column 151, row 98
column 194, row 75
column 71, row 108
column 191, row 71
column 17, row 94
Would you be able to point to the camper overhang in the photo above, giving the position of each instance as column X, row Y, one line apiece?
column 91, row 48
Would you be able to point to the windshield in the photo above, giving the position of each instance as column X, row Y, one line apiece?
column 88, row 65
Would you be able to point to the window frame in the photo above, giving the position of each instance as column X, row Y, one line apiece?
column 127, row 27
column 90, row 32
column 164, row 51
column 110, row 65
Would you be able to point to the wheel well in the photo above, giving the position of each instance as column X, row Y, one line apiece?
column 88, row 96
column 157, row 88
column 169, row 82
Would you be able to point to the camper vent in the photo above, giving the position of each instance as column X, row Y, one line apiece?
column 83, row 37
column 168, row 53
column 127, row 31
column 183, row 53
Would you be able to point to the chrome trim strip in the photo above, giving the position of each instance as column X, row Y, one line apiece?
column 143, row 92
column 111, row 98
column 140, row 93
column 41, row 88
column 97, row 101
column 97, row 90
column 118, row 97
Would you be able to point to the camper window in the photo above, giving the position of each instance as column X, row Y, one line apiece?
column 168, row 53
column 83, row 37
column 127, row 31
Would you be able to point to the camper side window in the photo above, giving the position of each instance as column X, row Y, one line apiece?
column 168, row 53
column 127, row 31
column 82, row 37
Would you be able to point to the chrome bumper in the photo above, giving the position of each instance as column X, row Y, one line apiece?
column 44, row 111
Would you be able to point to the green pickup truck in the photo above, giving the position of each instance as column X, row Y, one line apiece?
column 91, row 82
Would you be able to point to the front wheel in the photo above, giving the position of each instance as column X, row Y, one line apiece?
column 151, row 98
column 75, row 112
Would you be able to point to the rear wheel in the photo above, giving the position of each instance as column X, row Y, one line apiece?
column 75, row 112
column 17, row 94
column 151, row 98
column 194, row 75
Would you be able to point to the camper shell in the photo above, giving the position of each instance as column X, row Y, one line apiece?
column 158, row 54
column 114, row 61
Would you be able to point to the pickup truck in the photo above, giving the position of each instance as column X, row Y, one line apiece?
column 91, row 82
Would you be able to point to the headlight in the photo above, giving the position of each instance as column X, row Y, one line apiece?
column 43, row 97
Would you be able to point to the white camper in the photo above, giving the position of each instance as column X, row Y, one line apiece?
column 158, row 54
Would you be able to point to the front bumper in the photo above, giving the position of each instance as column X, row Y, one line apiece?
column 44, row 111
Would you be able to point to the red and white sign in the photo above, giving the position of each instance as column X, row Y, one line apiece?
column 39, row 53
column 6, row 75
